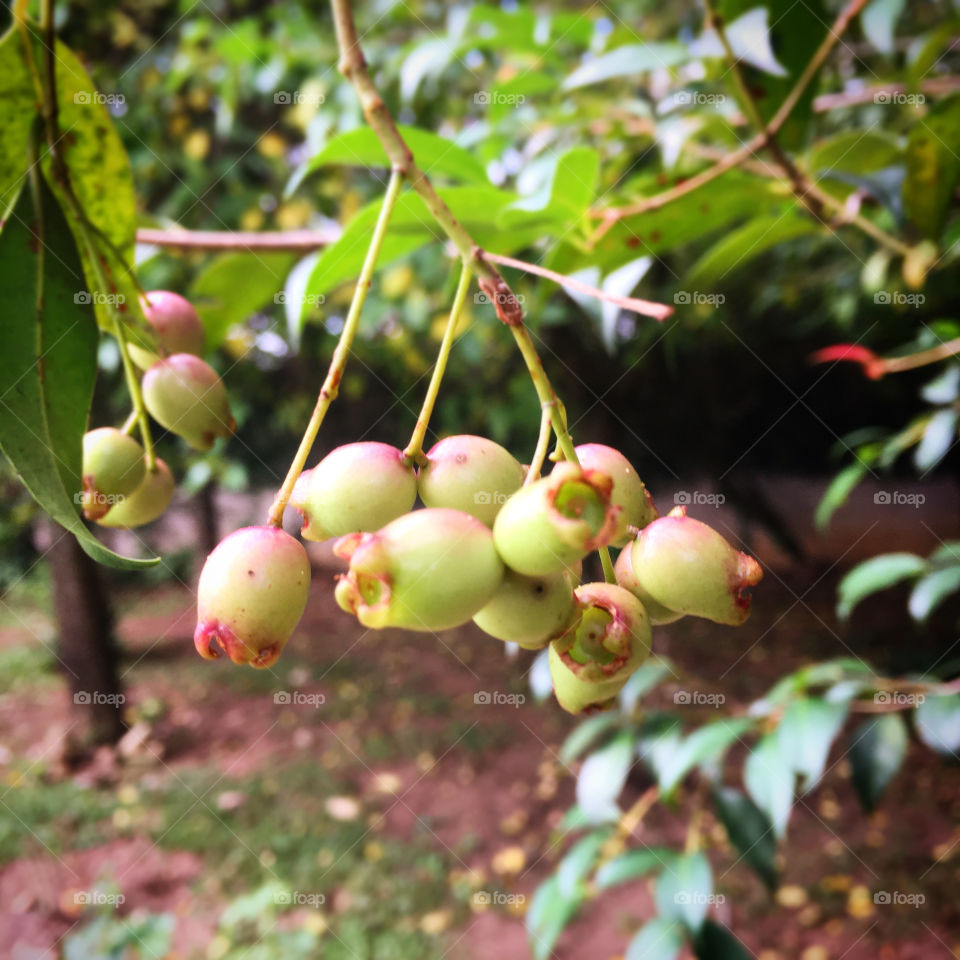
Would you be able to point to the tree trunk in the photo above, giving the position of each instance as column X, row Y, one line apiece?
column 87, row 650
column 207, row 523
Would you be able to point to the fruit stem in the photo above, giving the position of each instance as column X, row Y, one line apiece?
column 543, row 445
column 129, row 423
column 341, row 353
column 414, row 452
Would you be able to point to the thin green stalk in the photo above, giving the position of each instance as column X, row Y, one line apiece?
column 130, row 423
column 543, row 445
column 338, row 362
column 414, row 451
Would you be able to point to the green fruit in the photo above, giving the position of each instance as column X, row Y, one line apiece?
column 594, row 658
column 176, row 326
column 252, row 592
column 471, row 474
column 357, row 487
column 623, row 568
column 186, row 396
column 429, row 570
column 629, row 493
column 686, row 566
column 146, row 503
column 551, row 523
column 529, row 611
column 112, row 469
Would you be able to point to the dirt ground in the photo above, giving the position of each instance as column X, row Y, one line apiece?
column 419, row 762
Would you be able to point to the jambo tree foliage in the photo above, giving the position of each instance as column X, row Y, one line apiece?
column 676, row 150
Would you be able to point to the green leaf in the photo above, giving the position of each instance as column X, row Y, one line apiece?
column 632, row 864
column 933, row 166
column 876, row 752
column 805, row 734
column 737, row 248
column 701, row 746
column 854, row 151
column 657, row 939
column 602, row 777
column 875, row 574
column 717, row 942
column 564, row 196
column 577, row 864
column 878, row 20
column 945, row 387
column 838, row 492
column 550, row 912
column 932, row 590
column 749, row 830
column 938, row 436
column 627, row 62
column 768, row 777
column 643, row 680
column 235, row 285
column 48, row 363
column 586, row 733
column 684, row 891
column 937, row 721
column 17, row 112
column 435, row 155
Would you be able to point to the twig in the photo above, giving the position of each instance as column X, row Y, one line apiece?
column 293, row 241
column 949, row 348
column 543, row 445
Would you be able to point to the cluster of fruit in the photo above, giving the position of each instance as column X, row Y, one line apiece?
column 490, row 545
column 182, row 393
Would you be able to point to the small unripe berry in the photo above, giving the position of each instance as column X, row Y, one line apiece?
column 176, row 326
column 594, row 658
column 186, row 396
column 146, row 503
column 629, row 493
column 529, row 611
column 551, row 523
column 472, row 474
column 623, row 568
column 357, row 487
column 112, row 469
column 252, row 592
column 429, row 570
column 686, row 566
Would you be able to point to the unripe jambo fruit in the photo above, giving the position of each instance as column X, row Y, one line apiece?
column 629, row 493
column 555, row 521
column 112, row 469
column 146, row 503
column 357, row 487
column 594, row 658
column 686, row 566
column 429, row 570
column 529, row 610
column 177, row 328
column 252, row 592
column 186, row 396
column 623, row 568
column 471, row 474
